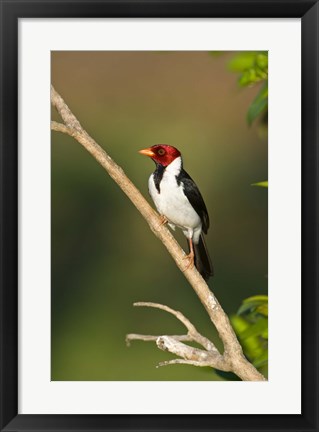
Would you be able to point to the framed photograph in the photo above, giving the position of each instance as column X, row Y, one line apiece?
column 188, row 302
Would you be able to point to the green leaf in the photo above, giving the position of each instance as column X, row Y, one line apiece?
column 261, row 184
column 259, row 104
column 262, row 61
column 263, row 309
column 260, row 298
column 251, row 76
column 239, row 323
column 257, row 303
column 243, row 61
column 244, row 308
column 251, row 327
column 256, row 329
column 253, row 346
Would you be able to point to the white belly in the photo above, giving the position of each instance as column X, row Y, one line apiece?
column 173, row 204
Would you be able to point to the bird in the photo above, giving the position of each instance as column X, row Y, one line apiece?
column 180, row 203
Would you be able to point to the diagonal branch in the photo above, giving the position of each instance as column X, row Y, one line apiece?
column 233, row 354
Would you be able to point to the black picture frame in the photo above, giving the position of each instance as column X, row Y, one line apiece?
column 11, row 11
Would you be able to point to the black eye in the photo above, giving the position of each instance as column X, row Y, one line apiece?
column 161, row 152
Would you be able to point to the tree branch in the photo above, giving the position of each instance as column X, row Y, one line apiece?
column 233, row 355
column 206, row 358
column 153, row 338
column 193, row 334
column 184, row 362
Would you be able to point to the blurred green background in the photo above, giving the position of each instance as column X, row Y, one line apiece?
column 104, row 257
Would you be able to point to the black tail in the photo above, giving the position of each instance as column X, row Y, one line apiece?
column 202, row 259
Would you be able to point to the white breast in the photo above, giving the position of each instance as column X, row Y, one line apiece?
column 172, row 202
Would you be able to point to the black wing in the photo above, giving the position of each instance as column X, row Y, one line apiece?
column 194, row 197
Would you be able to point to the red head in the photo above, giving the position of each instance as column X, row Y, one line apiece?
column 161, row 153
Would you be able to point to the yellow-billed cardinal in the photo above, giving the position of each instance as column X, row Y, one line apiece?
column 180, row 203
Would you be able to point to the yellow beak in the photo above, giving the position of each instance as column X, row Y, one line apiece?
column 147, row 152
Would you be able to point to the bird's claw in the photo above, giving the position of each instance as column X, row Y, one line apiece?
column 163, row 220
column 190, row 258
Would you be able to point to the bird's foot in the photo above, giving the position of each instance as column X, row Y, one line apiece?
column 163, row 220
column 190, row 258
